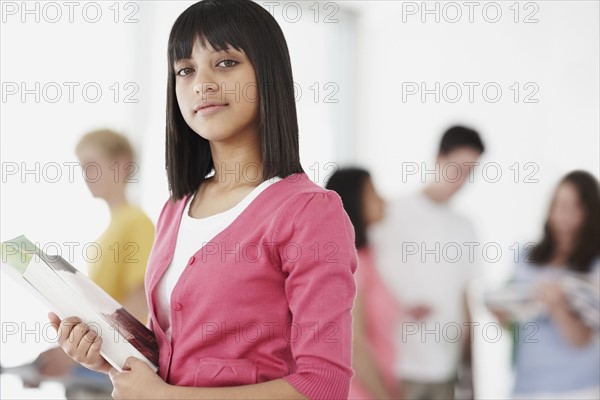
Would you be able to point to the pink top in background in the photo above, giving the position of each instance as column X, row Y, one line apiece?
column 381, row 312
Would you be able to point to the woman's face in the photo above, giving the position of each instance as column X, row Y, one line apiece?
column 374, row 205
column 217, row 93
column 566, row 213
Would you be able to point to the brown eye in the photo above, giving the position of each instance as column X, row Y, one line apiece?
column 184, row 72
column 227, row 63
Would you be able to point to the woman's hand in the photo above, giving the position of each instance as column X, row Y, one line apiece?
column 419, row 312
column 572, row 328
column 80, row 342
column 552, row 295
column 501, row 315
column 137, row 381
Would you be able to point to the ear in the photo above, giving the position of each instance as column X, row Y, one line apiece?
column 127, row 169
column 439, row 158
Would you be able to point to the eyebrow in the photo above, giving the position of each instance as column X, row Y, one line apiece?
column 212, row 51
column 228, row 51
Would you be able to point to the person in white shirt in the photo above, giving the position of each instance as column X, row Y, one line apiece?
column 426, row 253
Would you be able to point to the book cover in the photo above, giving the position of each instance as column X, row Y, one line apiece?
column 71, row 293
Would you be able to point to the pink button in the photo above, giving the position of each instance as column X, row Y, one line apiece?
column 176, row 306
column 192, row 259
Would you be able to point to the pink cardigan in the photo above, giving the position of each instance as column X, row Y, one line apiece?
column 269, row 297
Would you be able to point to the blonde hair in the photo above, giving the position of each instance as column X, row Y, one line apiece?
column 110, row 143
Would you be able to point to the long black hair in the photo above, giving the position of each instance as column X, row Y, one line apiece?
column 350, row 183
column 587, row 241
column 243, row 25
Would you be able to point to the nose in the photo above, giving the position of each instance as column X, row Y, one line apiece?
column 205, row 87
column 205, row 83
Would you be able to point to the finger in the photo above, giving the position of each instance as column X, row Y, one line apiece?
column 65, row 328
column 78, row 332
column 75, row 338
column 95, row 347
column 90, row 335
column 86, row 342
column 54, row 320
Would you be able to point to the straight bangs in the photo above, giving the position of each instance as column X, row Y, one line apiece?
column 219, row 25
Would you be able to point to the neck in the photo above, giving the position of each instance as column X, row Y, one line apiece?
column 434, row 193
column 237, row 163
column 116, row 200
column 563, row 248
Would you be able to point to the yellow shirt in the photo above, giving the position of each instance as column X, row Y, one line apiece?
column 125, row 247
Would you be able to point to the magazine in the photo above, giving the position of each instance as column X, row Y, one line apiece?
column 584, row 298
column 71, row 293
column 517, row 300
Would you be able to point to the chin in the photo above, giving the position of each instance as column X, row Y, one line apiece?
column 212, row 136
column 456, row 189
column 92, row 192
column 95, row 194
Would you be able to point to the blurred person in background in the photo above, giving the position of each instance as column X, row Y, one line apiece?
column 557, row 353
column 107, row 160
column 430, row 286
column 375, row 310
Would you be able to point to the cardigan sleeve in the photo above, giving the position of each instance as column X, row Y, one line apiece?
column 318, row 258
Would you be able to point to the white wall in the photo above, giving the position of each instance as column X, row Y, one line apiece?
column 559, row 133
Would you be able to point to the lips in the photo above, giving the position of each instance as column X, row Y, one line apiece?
column 209, row 107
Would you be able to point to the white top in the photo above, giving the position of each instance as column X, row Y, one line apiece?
column 421, row 253
column 193, row 234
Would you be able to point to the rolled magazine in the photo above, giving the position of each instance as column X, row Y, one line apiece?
column 71, row 293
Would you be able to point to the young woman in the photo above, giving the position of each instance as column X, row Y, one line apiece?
column 557, row 355
column 376, row 310
column 250, row 281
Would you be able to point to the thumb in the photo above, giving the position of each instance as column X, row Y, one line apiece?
column 112, row 374
column 54, row 320
column 131, row 363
